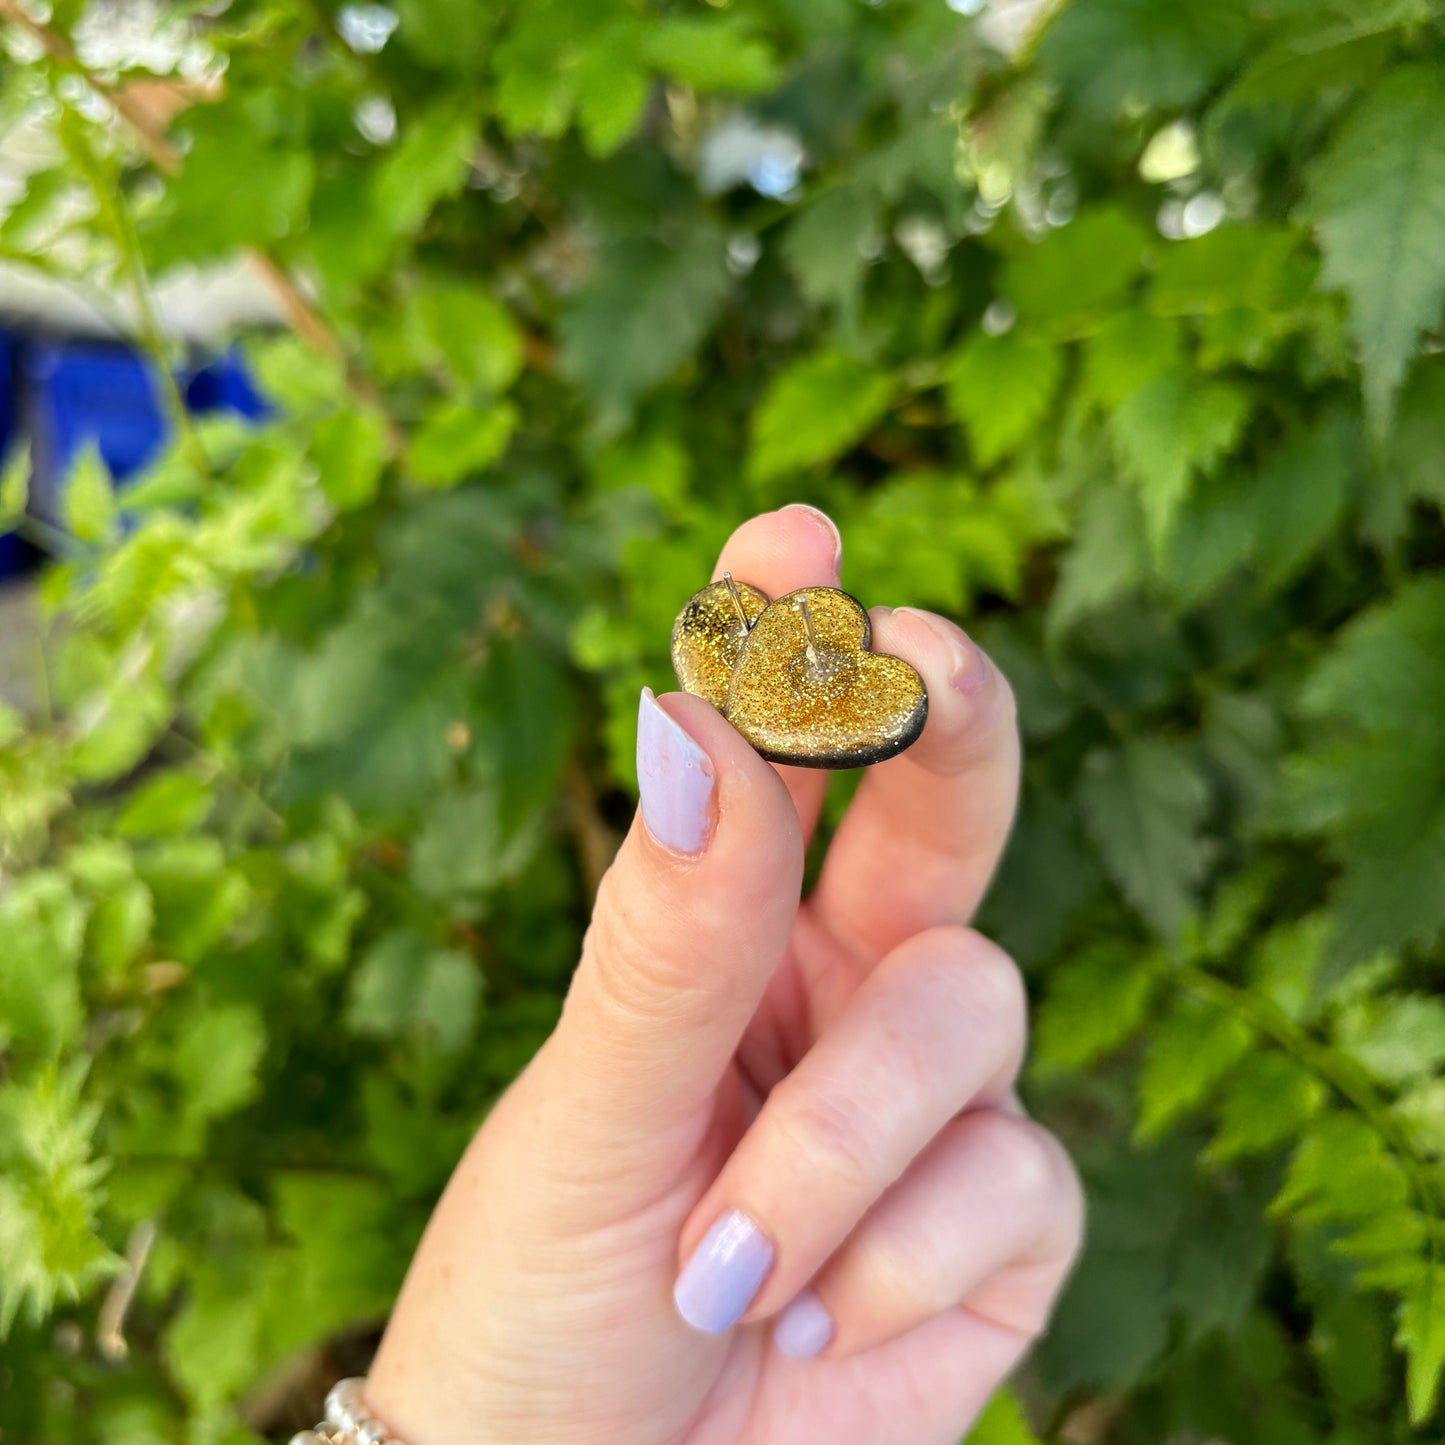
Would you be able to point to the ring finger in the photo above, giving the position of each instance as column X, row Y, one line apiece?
column 937, row 1027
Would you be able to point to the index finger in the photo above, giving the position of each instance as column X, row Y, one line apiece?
column 778, row 552
column 925, row 831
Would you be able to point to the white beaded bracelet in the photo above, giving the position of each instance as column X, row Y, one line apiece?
column 347, row 1421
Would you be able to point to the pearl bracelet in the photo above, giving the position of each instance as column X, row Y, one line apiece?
column 347, row 1421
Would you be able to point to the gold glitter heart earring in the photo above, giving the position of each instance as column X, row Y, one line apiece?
column 796, row 676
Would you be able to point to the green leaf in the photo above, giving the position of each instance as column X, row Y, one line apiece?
column 471, row 334
column 216, row 1060
column 405, row 986
column 88, row 502
column 43, row 925
column 1268, row 1100
column 1396, row 1039
column 1386, row 670
column 1000, row 388
column 1255, row 267
column 164, row 805
column 612, row 88
column 825, row 248
column 429, row 162
column 1303, row 488
column 349, row 451
column 1123, row 55
column 1144, row 805
column 1422, row 1337
column 1002, row 1423
column 205, row 214
column 1168, row 432
column 1070, row 282
column 50, row 1195
column 457, row 441
column 642, row 315
column 1191, row 1049
column 710, row 54
column 1108, row 560
column 814, row 411
column 1377, row 199
column 459, row 849
column 1094, row 1004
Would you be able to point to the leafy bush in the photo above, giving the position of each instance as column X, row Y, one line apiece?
column 1120, row 349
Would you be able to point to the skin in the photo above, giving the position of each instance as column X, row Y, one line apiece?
column 840, row 1068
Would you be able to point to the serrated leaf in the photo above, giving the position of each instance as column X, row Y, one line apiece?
column 1268, row 1099
column 1144, row 805
column 1129, row 349
column 1000, row 388
column 814, row 411
column 43, row 925
column 1386, row 669
column 407, row 986
column 1167, row 432
column 1396, row 1039
column 1421, row 1335
column 1377, row 199
column 1190, row 1050
column 216, row 1059
column 1341, row 1171
column 88, row 502
column 825, row 248
column 1108, row 560
column 641, row 316
column 1093, row 1005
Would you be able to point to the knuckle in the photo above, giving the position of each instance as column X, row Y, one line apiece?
column 973, row 978
column 1025, row 1162
column 632, row 972
column 827, row 1136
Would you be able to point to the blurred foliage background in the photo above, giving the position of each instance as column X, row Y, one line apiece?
column 1113, row 332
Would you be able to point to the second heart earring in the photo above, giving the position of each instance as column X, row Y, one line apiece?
column 796, row 677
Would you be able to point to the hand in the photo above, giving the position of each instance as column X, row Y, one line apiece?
column 792, row 1124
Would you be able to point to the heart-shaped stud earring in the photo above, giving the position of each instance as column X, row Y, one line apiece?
column 709, row 634
column 795, row 676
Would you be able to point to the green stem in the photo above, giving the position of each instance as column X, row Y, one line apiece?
column 1339, row 1074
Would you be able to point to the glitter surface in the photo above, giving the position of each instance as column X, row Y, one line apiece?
column 708, row 636
column 814, row 695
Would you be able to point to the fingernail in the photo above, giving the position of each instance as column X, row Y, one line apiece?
column 969, row 670
column 724, row 1273
column 828, row 524
column 674, row 780
column 804, row 1328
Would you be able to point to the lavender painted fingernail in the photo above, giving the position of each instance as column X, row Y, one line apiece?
column 804, row 1328
column 674, row 779
column 724, row 1273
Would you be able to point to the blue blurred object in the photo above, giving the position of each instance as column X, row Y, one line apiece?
column 226, row 385
column 80, row 393
column 66, row 395
column 12, row 549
